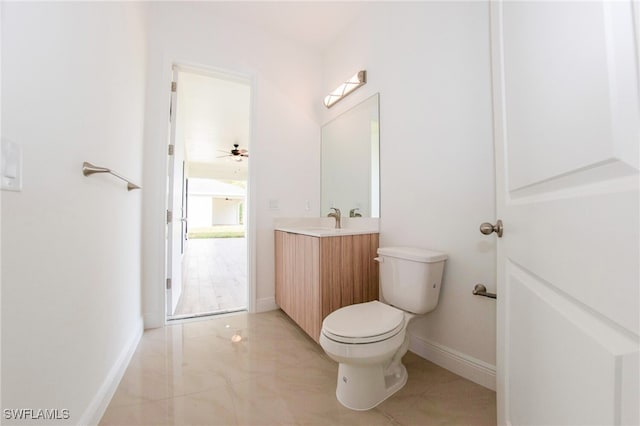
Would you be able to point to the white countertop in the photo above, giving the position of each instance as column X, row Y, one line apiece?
column 325, row 232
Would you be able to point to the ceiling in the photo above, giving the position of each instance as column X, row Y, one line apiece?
column 213, row 115
column 313, row 24
column 213, row 111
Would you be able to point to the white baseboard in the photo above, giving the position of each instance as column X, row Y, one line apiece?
column 461, row 364
column 266, row 304
column 101, row 400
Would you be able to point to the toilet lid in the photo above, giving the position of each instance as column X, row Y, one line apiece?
column 363, row 323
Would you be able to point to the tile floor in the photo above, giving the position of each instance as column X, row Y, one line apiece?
column 193, row 374
column 214, row 276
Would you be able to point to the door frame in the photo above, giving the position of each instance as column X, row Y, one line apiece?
column 175, row 178
column 250, row 210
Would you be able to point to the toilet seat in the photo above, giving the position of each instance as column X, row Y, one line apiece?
column 363, row 323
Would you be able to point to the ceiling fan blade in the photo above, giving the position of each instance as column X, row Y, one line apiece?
column 223, row 156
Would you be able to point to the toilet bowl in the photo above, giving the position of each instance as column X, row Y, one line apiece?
column 366, row 351
column 368, row 340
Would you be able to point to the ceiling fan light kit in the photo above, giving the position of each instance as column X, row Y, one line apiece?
column 236, row 153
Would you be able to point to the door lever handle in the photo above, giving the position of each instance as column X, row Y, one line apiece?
column 487, row 228
column 481, row 290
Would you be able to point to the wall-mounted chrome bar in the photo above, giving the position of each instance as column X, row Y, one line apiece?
column 481, row 290
column 89, row 169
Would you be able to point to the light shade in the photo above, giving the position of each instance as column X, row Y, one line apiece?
column 345, row 88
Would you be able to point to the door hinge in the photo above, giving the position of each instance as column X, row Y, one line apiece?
column 174, row 86
column 169, row 216
column 168, row 283
column 171, row 149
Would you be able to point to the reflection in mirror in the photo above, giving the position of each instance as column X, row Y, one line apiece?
column 350, row 164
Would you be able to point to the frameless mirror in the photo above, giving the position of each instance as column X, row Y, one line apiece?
column 350, row 162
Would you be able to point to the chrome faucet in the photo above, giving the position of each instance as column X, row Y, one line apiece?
column 336, row 215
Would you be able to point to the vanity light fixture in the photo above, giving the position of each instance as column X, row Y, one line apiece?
column 345, row 88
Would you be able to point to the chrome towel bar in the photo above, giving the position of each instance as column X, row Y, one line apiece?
column 89, row 169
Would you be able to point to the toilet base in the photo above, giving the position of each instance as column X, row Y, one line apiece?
column 362, row 387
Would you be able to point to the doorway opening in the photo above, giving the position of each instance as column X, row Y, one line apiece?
column 207, row 194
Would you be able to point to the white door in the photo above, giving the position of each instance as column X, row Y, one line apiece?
column 566, row 108
column 176, row 225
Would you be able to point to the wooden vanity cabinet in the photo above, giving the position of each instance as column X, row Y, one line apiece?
column 317, row 275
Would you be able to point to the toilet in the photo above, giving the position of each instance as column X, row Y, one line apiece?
column 368, row 340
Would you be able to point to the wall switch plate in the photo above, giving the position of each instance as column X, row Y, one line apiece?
column 11, row 172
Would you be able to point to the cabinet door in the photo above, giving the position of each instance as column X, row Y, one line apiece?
column 365, row 268
column 306, row 284
column 315, row 276
column 298, row 280
column 281, row 261
column 348, row 272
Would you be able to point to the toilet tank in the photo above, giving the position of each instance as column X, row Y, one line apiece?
column 410, row 278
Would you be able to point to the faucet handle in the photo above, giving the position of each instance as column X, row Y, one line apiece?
column 354, row 213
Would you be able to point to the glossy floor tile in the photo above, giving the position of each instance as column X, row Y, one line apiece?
column 261, row 369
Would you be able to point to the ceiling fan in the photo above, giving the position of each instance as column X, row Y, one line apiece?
column 235, row 153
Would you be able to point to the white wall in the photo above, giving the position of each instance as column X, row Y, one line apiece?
column 72, row 90
column 430, row 63
column 285, row 137
column 200, row 211
column 225, row 211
